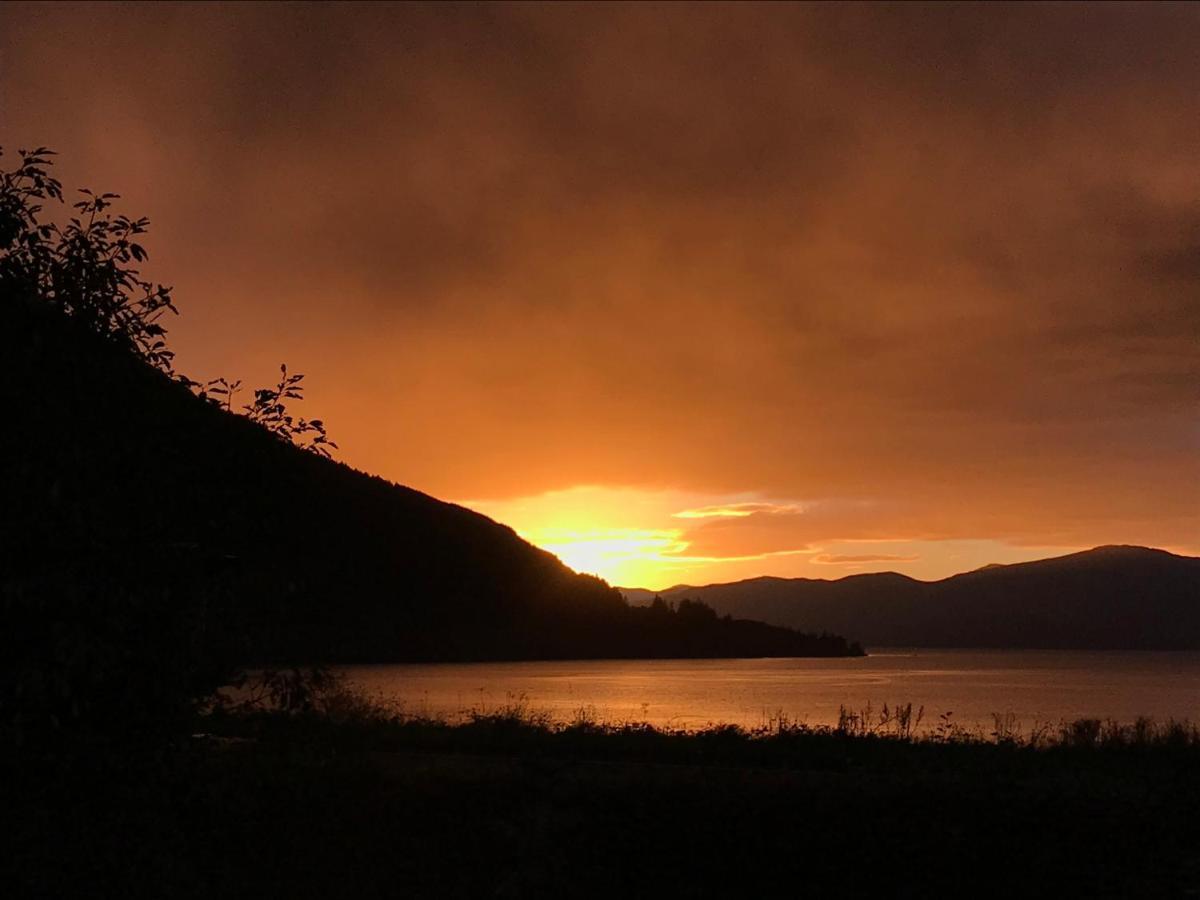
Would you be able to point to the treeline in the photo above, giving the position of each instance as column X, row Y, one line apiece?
column 693, row 629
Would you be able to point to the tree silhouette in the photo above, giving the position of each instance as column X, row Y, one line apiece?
column 86, row 269
column 270, row 410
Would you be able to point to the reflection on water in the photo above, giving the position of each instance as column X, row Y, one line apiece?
column 1035, row 686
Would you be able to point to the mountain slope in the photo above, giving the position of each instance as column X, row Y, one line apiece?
column 1106, row 598
column 117, row 475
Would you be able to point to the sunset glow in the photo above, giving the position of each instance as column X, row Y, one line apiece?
column 658, row 538
column 600, row 450
column 622, row 556
column 678, row 316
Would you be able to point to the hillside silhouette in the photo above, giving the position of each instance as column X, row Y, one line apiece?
column 1115, row 597
column 157, row 541
column 116, row 462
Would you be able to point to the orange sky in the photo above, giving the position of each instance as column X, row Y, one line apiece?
column 902, row 287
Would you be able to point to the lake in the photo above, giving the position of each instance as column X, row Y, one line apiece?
column 1035, row 686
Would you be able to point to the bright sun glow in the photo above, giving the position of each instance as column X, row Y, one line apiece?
column 657, row 538
column 619, row 555
column 625, row 536
column 631, row 537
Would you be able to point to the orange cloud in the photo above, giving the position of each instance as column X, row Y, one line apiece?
column 934, row 285
column 838, row 559
column 737, row 511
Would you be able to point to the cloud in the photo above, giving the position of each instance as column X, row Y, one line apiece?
column 937, row 264
column 738, row 510
column 838, row 559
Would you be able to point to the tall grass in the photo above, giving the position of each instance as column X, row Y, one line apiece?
column 338, row 713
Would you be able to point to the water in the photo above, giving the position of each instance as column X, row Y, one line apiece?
column 1036, row 687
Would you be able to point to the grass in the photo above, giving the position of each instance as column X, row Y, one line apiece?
column 352, row 798
column 342, row 716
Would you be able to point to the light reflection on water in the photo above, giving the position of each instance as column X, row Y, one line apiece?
column 1036, row 686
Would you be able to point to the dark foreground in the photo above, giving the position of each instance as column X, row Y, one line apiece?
column 364, row 807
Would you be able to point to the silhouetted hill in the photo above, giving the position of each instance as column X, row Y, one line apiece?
column 119, row 480
column 1106, row 598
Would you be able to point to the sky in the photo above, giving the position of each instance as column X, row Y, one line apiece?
column 681, row 293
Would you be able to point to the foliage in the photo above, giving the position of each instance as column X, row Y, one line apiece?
column 86, row 269
column 324, row 717
column 114, row 626
column 693, row 628
column 898, row 721
column 269, row 410
column 290, row 690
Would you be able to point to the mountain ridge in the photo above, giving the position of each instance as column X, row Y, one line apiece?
column 1101, row 548
column 1115, row 596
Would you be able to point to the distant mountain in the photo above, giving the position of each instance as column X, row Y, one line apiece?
column 1114, row 597
column 119, row 483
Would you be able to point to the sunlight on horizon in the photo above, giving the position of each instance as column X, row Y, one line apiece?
column 620, row 556
column 658, row 538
